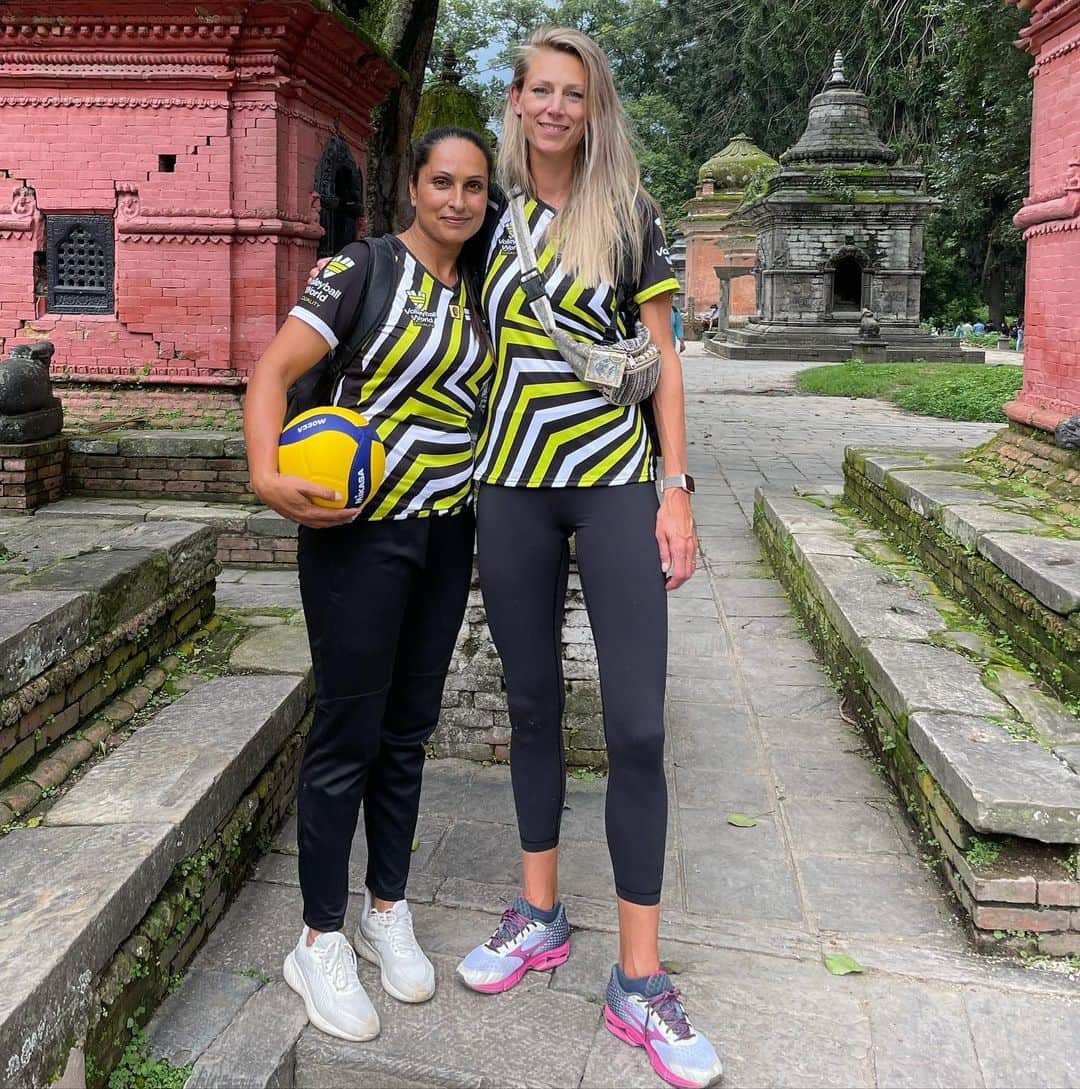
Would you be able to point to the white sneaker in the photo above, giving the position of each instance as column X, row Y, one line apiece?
column 386, row 938
column 324, row 975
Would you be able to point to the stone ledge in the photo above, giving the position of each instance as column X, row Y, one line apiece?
column 38, row 629
column 988, row 521
column 1013, row 889
column 1040, row 798
column 83, row 881
column 188, row 767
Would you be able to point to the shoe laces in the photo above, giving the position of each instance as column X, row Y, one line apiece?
column 512, row 923
column 398, row 928
column 339, row 963
column 667, row 1005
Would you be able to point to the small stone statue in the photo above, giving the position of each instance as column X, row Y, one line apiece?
column 868, row 324
column 1067, row 433
column 28, row 410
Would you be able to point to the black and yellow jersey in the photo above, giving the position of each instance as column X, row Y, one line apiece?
column 417, row 381
column 545, row 427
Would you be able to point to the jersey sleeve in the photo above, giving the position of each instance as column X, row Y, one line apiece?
column 656, row 276
column 331, row 302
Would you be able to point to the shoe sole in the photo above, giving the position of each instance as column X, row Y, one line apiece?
column 542, row 963
column 635, row 1038
column 371, row 954
column 295, row 979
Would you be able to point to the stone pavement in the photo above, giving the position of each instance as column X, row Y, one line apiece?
column 754, row 728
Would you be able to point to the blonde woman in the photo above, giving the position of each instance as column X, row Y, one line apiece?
column 555, row 459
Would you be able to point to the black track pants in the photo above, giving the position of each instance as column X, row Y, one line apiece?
column 384, row 602
column 523, row 551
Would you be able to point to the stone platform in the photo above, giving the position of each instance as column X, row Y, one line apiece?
column 755, row 727
column 771, row 342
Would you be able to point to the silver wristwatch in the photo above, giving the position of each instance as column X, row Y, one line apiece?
column 680, row 480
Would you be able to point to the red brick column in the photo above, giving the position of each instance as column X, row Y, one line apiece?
column 31, row 473
column 1050, row 219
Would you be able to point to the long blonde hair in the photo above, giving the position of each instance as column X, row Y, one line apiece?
column 598, row 228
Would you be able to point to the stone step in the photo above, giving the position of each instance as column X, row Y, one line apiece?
column 955, row 722
column 1019, row 535
column 76, row 886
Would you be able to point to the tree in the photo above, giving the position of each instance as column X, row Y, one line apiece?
column 405, row 29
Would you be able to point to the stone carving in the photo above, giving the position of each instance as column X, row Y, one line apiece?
column 868, row 324
column 28, row 410
column 1067, row 433
column 127, row 204
column 23, row 201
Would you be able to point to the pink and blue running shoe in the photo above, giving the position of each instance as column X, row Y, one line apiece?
column 657, row 1022
column 520, row 943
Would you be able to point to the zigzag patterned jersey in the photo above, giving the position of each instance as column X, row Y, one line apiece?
column 545, row 427
column 418, row 381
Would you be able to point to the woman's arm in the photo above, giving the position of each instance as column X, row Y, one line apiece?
column 295, row 350
column 674, row 521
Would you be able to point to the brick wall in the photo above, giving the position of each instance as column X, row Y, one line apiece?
column 116, row 476
column 50, row 706
column 1051, row 222
column 31, row 474
column 215, row 408
column 208, row 178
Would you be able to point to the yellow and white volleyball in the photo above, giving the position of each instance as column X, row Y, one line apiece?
column 336, row 448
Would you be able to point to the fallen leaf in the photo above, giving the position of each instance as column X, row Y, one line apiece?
column 673, row 967
column 741, row 820
column 416, row 843
column 840, row 964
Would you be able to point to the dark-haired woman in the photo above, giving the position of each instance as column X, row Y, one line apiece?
column 384, row 591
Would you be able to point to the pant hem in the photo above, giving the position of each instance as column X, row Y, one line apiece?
column 642, row 899
column 327, row 928
column 540, row 845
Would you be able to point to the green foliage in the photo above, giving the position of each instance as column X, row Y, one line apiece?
column 137, row 1070
column 961, row 391
column 981, row 852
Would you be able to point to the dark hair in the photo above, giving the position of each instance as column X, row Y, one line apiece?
column 421, row 149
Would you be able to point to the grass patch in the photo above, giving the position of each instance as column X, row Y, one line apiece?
column 952, row 391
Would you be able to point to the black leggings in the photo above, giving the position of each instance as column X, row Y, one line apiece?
column 524, row 554
column 383, row 602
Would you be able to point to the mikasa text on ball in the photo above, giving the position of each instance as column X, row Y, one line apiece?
column 336, row 448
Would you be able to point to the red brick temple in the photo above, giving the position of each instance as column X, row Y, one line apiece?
column 1050, row 219
column 168, row 173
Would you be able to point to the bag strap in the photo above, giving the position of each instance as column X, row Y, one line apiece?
column 532, row 282
column 378, row 295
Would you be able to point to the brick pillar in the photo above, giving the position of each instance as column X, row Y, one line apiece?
column 1050, row 219
column 31, row 473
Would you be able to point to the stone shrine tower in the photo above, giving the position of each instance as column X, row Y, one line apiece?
column 172, row 170
column 718, row 235
column 839, row 234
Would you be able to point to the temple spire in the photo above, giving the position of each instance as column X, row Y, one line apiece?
column 837, row 79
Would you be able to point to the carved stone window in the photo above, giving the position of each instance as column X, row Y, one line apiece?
column 80, row 261
column 341, row 193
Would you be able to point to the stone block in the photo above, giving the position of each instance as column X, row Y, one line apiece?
column 282, row 648
column 189, row 1020
column 170, row 444
column 1052, row 720
column 190, row 547
column 910, row 677
column 119, row 584
column 788, row 513
column 1047, row 567
column 874, row 464
column 256, row 1050
column 38, row 629
column 189, row 766
column 268, row 523
column 966, row 524
column 998, row 784
column 70, row 896
column 1059, row 893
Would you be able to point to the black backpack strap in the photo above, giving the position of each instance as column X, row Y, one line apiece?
column 378, row 295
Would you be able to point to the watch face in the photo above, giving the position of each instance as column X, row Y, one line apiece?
column 689, row 482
